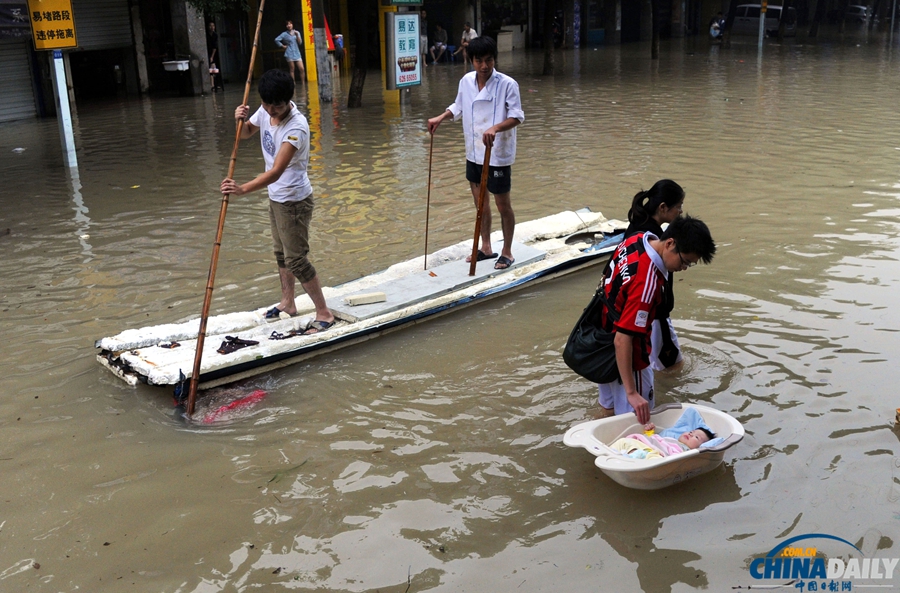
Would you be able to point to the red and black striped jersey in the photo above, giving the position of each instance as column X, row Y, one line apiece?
column 635, row 288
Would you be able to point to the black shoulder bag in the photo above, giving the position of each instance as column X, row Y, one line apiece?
column 590, row 350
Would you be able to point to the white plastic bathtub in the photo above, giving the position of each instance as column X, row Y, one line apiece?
column 651, row 474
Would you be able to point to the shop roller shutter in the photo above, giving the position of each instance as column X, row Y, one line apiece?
column 15, row 81
column 102, row 24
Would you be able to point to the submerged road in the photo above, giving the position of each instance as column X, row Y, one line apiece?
column 432, row 459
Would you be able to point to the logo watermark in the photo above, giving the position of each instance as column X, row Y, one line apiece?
column 812, row 568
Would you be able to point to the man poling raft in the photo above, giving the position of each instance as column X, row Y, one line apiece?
column 284, row 136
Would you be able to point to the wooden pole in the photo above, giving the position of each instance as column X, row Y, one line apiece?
column 428, row 199
column 207, row 299
column 482, row 191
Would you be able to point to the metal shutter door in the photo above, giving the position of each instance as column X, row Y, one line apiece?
column 15, row 81
column 102, row 24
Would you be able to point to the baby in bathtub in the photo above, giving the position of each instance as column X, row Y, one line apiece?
column 654, row 446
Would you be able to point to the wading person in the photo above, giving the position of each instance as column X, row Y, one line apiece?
column 284, row 134
column 212, row 47
column 659, row 205
column 290, row 41
column 633, row 286
column 423, row 37
column 491, row 108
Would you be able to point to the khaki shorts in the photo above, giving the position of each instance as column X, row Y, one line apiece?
column 290, row 236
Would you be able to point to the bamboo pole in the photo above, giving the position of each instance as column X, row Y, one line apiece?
column 482, row 190
column 207, row 299
column 428, row 199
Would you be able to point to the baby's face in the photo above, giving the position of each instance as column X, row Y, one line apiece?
column 693, row 439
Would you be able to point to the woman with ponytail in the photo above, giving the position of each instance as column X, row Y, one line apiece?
column 650, row 209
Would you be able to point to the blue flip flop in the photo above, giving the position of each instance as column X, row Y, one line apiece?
column 275, row 313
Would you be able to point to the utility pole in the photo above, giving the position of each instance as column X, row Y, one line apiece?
column 323, row 63
column 762, row 23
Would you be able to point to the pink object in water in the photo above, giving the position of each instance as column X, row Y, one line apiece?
column 238, row 404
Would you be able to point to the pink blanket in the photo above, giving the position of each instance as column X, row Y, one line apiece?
column 665, row 445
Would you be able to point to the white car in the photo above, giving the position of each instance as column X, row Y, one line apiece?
column 856, row 14
column 746, row 20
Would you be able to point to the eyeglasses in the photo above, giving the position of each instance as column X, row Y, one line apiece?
column 686, row 264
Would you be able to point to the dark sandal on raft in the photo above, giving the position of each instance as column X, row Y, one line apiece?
column 503, row 263
column 483, row 256
column 316, row 327
column 275, row 313
column 231, row 344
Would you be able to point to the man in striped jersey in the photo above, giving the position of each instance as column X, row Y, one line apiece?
column 633, row 285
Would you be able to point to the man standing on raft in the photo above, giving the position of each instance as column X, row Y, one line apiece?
column 284, row 134
column 491, row 108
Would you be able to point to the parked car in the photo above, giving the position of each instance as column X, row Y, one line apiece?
column 856, row 14
column 746, row 20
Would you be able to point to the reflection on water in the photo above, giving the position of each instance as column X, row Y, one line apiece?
column 433, row 457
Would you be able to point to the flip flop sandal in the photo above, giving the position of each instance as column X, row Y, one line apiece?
column 483, row 256
column 504, row 263
column 317, row 327
column 231, row 344
column 275, row 313
column 285, row 336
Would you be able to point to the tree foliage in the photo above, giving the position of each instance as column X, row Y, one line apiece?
column 218, row 6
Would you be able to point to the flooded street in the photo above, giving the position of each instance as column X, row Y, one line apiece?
column 431, row 459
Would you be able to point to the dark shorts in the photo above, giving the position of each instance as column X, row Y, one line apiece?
column 499, row 178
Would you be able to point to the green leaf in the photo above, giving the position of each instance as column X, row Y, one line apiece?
column 277, row 477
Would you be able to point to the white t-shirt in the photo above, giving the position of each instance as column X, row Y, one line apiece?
column 293, row 185
column 497, row 101
column 468, row 36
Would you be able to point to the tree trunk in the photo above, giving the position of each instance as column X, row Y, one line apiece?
column 360, row 58
column 843, row 4
column 817, row 18
column 549, row 8
column 729, row 23
column 654, row 28
column 783, row 21
column 354, row 98
column 876, row 12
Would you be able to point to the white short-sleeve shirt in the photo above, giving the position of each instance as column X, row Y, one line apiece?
column 293, row 185
column 468, row 35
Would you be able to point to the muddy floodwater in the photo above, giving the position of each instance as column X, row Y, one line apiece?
column 432, row 459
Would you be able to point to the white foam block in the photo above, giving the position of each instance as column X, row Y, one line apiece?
column 365, row 299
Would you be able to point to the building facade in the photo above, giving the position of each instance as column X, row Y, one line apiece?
column 122, row 45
